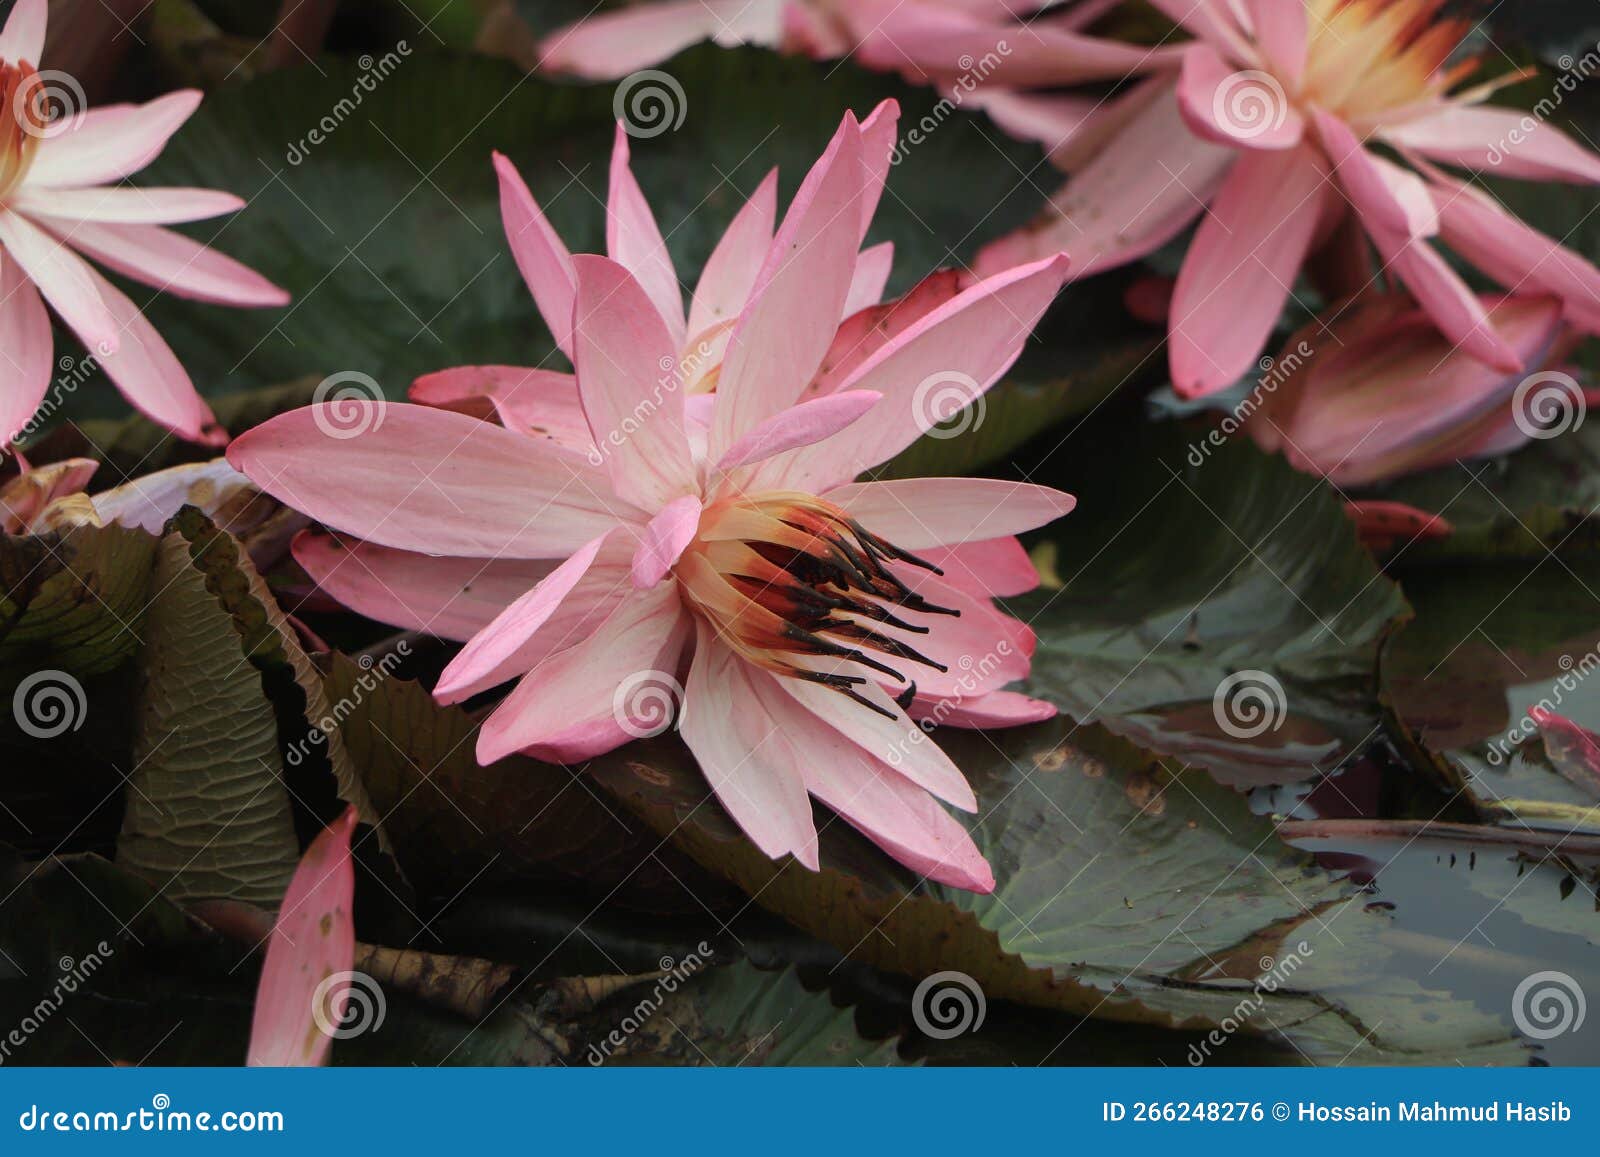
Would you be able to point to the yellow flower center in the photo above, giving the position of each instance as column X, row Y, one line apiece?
column 1368, row 57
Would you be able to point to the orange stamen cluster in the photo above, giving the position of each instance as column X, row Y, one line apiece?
column 1366, row 57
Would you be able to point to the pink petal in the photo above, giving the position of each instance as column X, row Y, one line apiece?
column 149, row 375
column 541, row 257
column 872, row 274
column 1134, row 196
column 628, row 379
column 25, row 350
column 1282, row 31
column 1054, row 120
column 878, row 141
column 983, row 712
column 428, row 480
column 730, row 272
column 965, row 344
column 890, row 738
column 313, row 941
column 1455, row 309
column 664, row 540
column 753, row 762
column 489, row 658
column 999, row 568
column 67, row 283
column 22, row 38
column 794, row 311
column 171, row 262
column 610, row 45
column 920, row 513
column 1380, row 525
column 1230, row 106
column 108, row 143
column 801, row 425
column 863, row 334
column 1502, row 140
column 125, row 204
column 1208, row 20
column 542, row 404
column 571, row 706
column 1389, row 199
column 634, row 240
column 1241, row 267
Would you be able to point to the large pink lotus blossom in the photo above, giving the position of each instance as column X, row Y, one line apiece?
column 613, row 44
column 59, row 197
column 1271, row 128
column 702, row 526
column 1375, row 390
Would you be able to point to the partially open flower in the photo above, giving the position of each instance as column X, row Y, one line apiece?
column 710, row 544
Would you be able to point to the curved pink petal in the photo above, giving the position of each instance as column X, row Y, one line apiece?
column 313, row 938
column 794, row 311
column 1283, row 32
column 108, row 143
column 982, row 712
column 574, row 706
column 1135, row 195
column 801, row 425
column 1501, row 140
column 664, row 539
column 64, row 279
column 125, row 204
column 999, row 568
column 1241, row 108
column 171, row 262
column 429, row 480
column 920, row 513
column 541, row 256
column 730, row 272
column 610, row 45
column 863, row 334
column 489, row 657
column 753, row 762
column 628, row 380
column 22, row 38
column 981, row 648
column 1241, row 267
column 634, row 241
column 25, row 351
column 964, row 345
column 879, row 138
column 1388, row 198
column 872, row 274
column 539, row 403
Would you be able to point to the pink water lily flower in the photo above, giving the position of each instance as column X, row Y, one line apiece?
column 1270, row 128
column 1376, row 391
column 717, row 541
column 59, row 197
column 610, row 45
